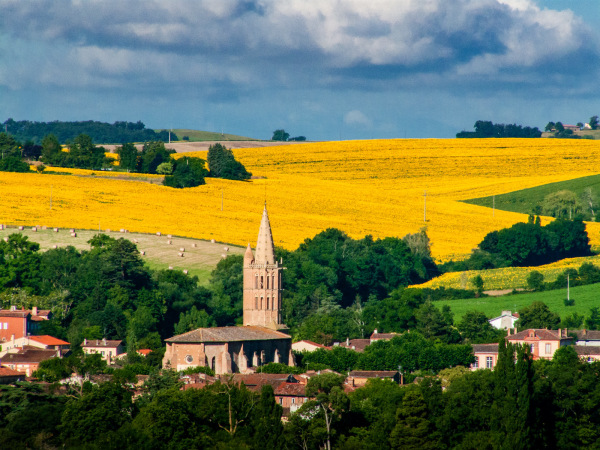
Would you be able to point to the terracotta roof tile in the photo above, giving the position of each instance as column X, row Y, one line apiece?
column 588, row 335
column 314, row 343
column 373, row 373
column 543, row 334
column 8, row 313
column 101, row 343
column 291, row 389
column 229, row 334
column 6, row 372
column 28, row 356
column 358, row 345
column 48, row 340
column 584, row 350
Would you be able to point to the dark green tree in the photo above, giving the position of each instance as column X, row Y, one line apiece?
column 128, row 157
column 222, row 164
column 535, row 281
column 280, row 135
column 413, row 429
column 476, row 328
column 537, row 315
column 187, row 172
column 13, row 164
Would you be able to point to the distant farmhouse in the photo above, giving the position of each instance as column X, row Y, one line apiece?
column 262, row 338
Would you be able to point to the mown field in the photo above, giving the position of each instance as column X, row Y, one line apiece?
column 585, row 298
column 200, row 257
column 372, row 187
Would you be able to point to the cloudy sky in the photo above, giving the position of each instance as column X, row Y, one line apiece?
column 326, row 69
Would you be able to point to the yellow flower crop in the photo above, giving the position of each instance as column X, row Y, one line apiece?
column 361, row 187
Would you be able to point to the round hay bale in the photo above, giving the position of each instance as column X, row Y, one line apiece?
column 44, row 227
column 182, row 249
column 194, row 245
column 6, row 239
column 170, row 267
column 34, row 229
column 122, row 230
column 21, row 227
column 55, row 246
column 55, row 230
column 74, row 234
column 223, row 256
column 169, row 236
column 169, row 242
column 213, row 241
column 226, row 249
column 158, row 233
column 180, row 254
column 135, row 241
column 142, row 252
column 72, row 230
column 185, row 271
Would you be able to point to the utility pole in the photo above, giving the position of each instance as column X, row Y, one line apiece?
column 51, row 186
column 425, row 207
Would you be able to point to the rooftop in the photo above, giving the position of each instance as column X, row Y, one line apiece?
column 356, row 344
column 100, row 343
column 291, row 389
column 373, row 373
column 588, row 335
column 585, row 350
column 6, row 372
column 48, row 340
column 485, row 348
column 229, row 334
column 541, row 334
column 28, row 356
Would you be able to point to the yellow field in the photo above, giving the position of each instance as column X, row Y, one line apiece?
column 508, row 277
column 362, row 187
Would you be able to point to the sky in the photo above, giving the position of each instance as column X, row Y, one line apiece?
column 324, row 69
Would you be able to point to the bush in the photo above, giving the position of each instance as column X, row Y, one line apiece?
column 13, row 164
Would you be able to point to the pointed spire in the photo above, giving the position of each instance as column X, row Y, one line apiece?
column 265, row 254
column 248, row 256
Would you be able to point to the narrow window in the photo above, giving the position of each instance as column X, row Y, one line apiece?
column 255, row 281
column 548, row 349
column 268, row 281
column 261, row 282
column 293, row 400
column 268, row 301
column 531, row 347
column 273, row 281
column 256, row 302
column 488, row 362
column 262, row 303
column 476, row 362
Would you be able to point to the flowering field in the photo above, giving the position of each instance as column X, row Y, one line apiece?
column 362, row 187
column 508, row 277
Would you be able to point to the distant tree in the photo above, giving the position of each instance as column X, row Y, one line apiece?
column 550, row 126
column 535, row 281
column 580, row 124
column 128, row 157
column 478, row 285
column 153, row 154
column 562, row 204
column 165, row 168
column 413, row 430
column 593, row 321
column 13, row 164
column 280, row 135
column 476, row 328
column 537, row 315
column 559, row 127
column 297, row 138
column 222, row 164
column 419, row 243
column 573, row 321
column 31, row 151
column 594, row 122
column 9, row 146
column 51, row 150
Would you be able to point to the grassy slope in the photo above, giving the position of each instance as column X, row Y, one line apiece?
column 199, row 260
column 585, row 297
column 197, row 136
column 525, row 200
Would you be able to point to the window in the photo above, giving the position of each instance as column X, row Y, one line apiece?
column 262, row 282
column 293, row 400
column 548, row 349
column 189, row 359
column 476, row 362
column 531, row 347
column 281, row 400
column 256, row 281
column 262, row 303
column 256, row 302
column 268, row 281
column 489, row 362
column 268, row 299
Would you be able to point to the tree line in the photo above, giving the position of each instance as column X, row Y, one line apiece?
column 488, row 129
column 522, row 404
column 100, row 132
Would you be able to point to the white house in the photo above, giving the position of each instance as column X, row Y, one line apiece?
column 504, row 321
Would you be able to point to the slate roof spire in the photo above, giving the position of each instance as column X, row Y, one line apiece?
column 265, row 253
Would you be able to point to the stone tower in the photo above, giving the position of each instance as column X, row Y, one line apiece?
column 262, row 281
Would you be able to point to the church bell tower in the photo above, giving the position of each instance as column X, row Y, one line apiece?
column 262, row 281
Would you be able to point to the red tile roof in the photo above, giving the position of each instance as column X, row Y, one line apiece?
column 9, row 313
column 48, row 340
column 291, row 390
column 542, row 334
column 229, row 334
column 588, row 335
column 144, row 351
column 101, row 343
column 373, row 373
column 6, row 372
column 585, row 350
column 358, row 345
column 28, row 356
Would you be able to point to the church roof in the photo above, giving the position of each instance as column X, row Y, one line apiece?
column 229, row 334
column 265, row 253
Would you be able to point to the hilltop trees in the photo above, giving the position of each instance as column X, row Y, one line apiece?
column 222, row 164
column 487, row 129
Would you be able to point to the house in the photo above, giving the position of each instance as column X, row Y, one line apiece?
column 255, row 381
column 290, row 396
column 505, row 320
column 357, row 345
column 262, row 338
column 27, row 359
column 588, row 353
column 44, row 342
column 359, row 378
column 543, row 343
column 19, row 323
column 308, row 346
column 109, row 349
column 486, row 356
column 10, row 376
column 588, row 338
column 377, row 336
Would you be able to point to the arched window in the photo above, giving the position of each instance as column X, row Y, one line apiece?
column 268, row 281
column 268, row 303
column 273, row 282
column 261, row 282
column 256, row 302
column 262, row 303
column 256, row 281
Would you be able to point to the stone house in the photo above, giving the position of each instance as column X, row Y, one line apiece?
column 486, row 356
column 542, row 343
column 109, row 349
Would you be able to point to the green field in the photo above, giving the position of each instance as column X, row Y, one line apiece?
column 585, row 297
column 199, row 260
column 525, row 200
column 198, row 136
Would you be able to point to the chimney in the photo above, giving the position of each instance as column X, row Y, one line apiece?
column 566, row 332
column 560, row 333
column 34, row 311
column 84, row 341
column 508, row 332
column 13, row 307
column 347, row 341
column 584, row 332
column 103, row 341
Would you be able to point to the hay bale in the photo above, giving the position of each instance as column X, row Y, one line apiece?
column 55, row 246
column 194, row 245
column 34, row 229
column 107, row 230
column 135, row 241
column 122, row 230
column 213, row 241
column 182, row 249
column 21, row 227
column 223, row 256
column 6, row 239
column 180, row 254
column 142, row 252
column 158, row 233
column 185, row 271
column 226, row 249
column 44, row 227
column 169, row 236
column 169, row 242
column 170, row 267
column 72, row 230
column 55, row 230
column 73, row 234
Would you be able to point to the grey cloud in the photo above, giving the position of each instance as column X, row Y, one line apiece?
column 339, row 43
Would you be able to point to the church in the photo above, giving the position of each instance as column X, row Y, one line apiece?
column 261, row 339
